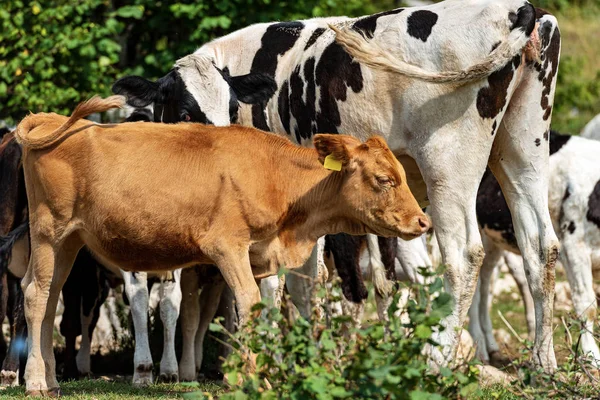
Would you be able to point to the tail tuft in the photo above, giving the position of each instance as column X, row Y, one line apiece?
column 371, row 53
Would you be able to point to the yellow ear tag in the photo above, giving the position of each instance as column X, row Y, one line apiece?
column 332, row 163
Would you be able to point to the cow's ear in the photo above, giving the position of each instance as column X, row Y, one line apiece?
column 253, row 88
column 139, row 91
column 335, row 145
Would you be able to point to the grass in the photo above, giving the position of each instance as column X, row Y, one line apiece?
column 102, row 389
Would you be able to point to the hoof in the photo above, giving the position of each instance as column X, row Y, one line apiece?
column 169, row 378
column 9, row 378
column 54, row 392
column 499, row 360
column 142, row 376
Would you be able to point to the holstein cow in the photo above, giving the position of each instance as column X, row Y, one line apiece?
column 574, row 201
column 452, row 86
column 221, row 196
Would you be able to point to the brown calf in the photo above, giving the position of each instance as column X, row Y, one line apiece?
column 154, row 197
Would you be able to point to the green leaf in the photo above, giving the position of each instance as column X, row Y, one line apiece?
column 215, row 327
column 423, row 332
column 419, row 395
column 136, row 12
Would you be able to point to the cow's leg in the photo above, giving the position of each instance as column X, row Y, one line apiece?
column 578, row 266
column 519, row 160
column 209, row 302
column 492, row 261
column 271, row 290
column 170, row 303
column 47, row 272
column 301, row 282
column 18, row 334
column 70, row 324
column 452, row 195
column 190, row 318
column 514, row 263
column 475, row 326
column 136, row 288
column 226, row 310
column 382, row 259
column 92, row 298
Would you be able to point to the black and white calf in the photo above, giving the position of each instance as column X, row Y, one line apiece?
column 453, row 87
column 574, row 203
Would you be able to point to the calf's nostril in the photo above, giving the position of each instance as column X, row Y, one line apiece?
column 423, row 223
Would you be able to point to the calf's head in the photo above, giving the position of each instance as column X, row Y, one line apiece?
column 196, row 90
column 373, row 191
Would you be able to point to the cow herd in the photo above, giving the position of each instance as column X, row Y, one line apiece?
column 265, row 140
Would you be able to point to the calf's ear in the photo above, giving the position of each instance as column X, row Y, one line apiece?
column 334, row 145
column 139, row 91
column 253, row 88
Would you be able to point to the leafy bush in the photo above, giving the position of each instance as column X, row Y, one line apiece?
column 55, row 53
column 319, row 359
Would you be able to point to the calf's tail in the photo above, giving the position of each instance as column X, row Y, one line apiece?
column 93, row 105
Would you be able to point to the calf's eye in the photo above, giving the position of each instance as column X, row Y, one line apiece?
column 384, row 180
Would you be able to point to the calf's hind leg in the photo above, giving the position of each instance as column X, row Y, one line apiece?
column 42, row 283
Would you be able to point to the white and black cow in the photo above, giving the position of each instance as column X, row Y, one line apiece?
column 574, row 201
column 452, row 87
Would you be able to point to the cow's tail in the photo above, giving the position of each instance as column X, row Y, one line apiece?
column 7, row 242
column 371, row 53
column 93, row 105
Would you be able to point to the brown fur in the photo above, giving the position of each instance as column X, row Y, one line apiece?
column 147, row 196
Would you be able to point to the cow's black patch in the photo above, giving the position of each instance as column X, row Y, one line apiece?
column 492, row 98
column 494, row 125
column 571, row 227
column 277, row 40
column 346, row 253
column 593, row 213
column 335, row 73
column 303, row 111
column 538, row 141
column 567, row 194
column 546, row 136
column 524, row 19
column 367, row 24
column 492, row 211
column 388, row 247
column 283, row 105
column 313, row 38
column 420, row 23
column 549, row 55
column 557, row 141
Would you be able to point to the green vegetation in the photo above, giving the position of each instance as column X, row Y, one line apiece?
column 100, row 389
column 325, row 359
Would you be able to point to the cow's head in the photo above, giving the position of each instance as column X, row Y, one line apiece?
column 374, row 191
column 196, row 90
